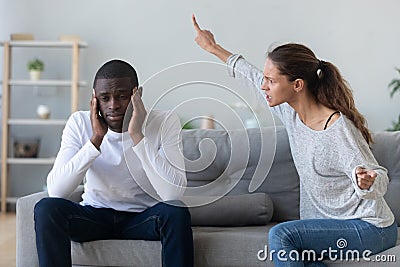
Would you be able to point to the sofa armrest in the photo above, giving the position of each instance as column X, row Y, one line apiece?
column 26, row 254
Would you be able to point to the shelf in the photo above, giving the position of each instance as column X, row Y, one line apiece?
column 54, row 44
column 65, row 83
column 12, row 200
column 32, row 161
column 36, row 122
column 72, row 81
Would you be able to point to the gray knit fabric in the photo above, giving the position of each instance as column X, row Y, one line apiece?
column 326, row 162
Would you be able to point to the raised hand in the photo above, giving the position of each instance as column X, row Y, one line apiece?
column 365, row 178
column 205, row 39
column 99, row 126
column 139, row 114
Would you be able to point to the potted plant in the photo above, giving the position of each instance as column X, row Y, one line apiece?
column 188, row 125
column 394, row 85
column 35, row 68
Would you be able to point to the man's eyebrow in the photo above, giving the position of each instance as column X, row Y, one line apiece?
column 102, row 93
column 119, row 90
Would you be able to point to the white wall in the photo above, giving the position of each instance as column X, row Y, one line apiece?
column 361, row 37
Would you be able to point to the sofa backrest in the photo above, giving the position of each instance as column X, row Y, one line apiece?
column 234, row 159
column 235, row 156
column 386, row 150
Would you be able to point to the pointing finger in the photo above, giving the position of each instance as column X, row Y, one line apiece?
column 195, row 24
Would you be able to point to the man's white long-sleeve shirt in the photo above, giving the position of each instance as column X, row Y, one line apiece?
column 121, row 176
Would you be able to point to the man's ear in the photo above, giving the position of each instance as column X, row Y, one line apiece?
column 298, row 85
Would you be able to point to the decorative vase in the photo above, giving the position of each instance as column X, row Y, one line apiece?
column 35, row 75
column 43, row 111
column 207, row 122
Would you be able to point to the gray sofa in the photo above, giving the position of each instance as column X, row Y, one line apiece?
column 234, row 229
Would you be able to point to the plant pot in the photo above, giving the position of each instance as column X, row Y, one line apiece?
column 35, row 75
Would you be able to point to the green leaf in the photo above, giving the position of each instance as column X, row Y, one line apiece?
column 394, row 85
column 187, row 126
column 35, row 64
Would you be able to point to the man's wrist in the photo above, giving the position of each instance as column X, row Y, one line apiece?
column 137, row 137
column 96, row 141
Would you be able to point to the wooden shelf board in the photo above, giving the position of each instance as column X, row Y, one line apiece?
column 12, row 200
column 44, row 82
column 36, row 122
column 54, row 44
column 32, row 161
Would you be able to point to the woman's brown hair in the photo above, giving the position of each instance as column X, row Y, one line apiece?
column 322, row 78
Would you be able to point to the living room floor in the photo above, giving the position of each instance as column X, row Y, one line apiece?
column 7, row 239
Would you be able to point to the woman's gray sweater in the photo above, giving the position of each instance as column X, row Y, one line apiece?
column 326, row 161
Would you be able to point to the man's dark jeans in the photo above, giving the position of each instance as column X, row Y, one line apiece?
column 58, row 221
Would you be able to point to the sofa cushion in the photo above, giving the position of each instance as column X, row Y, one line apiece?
column 213, row 246
column 235, row 210
column 116, row 253
column 386, row 150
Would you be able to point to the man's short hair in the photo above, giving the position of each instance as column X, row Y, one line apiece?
column 116, row 69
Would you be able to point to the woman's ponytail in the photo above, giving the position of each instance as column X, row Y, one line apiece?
column 334, row 92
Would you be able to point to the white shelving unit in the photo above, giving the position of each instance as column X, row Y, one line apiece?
column 7, row 85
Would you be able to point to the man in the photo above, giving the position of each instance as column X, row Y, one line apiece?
column 115, row 164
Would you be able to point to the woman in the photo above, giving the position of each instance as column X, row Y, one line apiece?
column 342, row 208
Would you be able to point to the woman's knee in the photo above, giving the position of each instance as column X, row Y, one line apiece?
column 279, row 235
column 274, row 234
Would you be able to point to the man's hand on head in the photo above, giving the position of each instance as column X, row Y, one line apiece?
column 139, row 114
column 99, row 126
